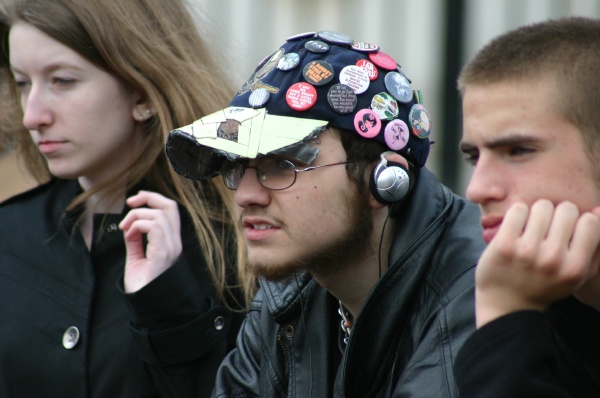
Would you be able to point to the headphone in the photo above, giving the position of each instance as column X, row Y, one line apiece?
column 390, row 181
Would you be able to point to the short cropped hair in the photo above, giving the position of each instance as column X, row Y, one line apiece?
column 568, row 49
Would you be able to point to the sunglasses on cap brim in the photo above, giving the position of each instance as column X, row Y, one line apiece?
column 192, row 160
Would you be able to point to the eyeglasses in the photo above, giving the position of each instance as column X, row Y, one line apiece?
column 272, row 173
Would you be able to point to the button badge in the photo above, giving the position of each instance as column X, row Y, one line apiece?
column 355, row 77
column 367, row 123
column 398, row 86
column 383, row 60
column 316, row 46
column 318, row 73
column 420, row 121
column 335, row 38
column 369, row 67
column 342, row 98
column 288, row 61
column 365, row 47
column 396, row 134
column 70, row 337
column 301, row 96
column 259, row 97
column 385, row 105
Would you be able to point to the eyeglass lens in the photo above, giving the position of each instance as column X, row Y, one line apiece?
column 272, row 173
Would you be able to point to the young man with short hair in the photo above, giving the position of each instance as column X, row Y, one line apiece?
column 325, row 152
column 532, row 132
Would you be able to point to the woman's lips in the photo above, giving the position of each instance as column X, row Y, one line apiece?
column 49, row 147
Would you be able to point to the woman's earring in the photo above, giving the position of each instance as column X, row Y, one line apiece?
column 144, row 115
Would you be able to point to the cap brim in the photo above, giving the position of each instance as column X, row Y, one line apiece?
column 197, row 150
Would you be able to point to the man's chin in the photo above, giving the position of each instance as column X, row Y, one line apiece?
column 274, row 272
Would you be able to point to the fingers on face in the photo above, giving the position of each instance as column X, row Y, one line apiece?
column 564, row 219
column 544, row 235
column 552, row 257
column 515, row 219
column 560, row 241
column 539, row 221
column 584, row 250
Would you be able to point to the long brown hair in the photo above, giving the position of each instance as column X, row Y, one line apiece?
column 154, row 47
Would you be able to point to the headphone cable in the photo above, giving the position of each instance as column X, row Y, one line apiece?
column 305, row 332
column 382, row 232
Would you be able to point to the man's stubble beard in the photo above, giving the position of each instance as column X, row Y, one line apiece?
column 335, row 256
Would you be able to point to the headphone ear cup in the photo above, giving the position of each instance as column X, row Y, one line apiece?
column 389, row 183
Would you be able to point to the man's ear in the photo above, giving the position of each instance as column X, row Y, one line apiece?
column 374, row 203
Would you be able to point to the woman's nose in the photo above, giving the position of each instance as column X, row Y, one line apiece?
column 36, row 109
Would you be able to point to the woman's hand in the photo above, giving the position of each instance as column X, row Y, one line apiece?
column 159, row 222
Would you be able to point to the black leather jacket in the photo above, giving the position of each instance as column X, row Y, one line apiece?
column 408, row 332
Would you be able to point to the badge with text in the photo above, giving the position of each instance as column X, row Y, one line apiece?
column 318, row 72
column 355, row 77
column 342, row 98
column 301, row 96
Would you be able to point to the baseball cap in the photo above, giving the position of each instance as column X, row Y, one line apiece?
column 313, row 81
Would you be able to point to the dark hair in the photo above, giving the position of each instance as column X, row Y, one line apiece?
column 357, row 147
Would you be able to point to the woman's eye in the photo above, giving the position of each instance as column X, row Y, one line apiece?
column 61, row 81
column 21, row 84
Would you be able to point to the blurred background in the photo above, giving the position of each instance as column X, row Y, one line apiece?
column 430, row 39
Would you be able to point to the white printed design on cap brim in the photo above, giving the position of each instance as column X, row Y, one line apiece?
column 257, row 133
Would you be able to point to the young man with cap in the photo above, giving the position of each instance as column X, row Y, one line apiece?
column 532, row 132
column 325, row 152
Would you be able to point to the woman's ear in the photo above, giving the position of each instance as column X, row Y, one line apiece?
column 142, row 110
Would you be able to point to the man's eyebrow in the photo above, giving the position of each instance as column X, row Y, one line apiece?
column 511, row 140
column 467, row 147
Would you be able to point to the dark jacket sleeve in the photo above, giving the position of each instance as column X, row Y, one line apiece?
column 438, row 335
column 512, row 356
column 180, row 333
column 240, row 372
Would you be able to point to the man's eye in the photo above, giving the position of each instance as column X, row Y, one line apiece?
column 283, row 164
column 520, row 151
column 471, row 158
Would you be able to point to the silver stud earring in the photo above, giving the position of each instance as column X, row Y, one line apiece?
column 143, row 115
